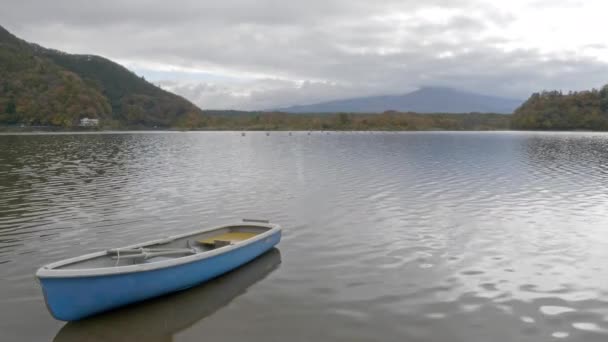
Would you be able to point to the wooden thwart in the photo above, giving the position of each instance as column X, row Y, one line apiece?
column 227, row 238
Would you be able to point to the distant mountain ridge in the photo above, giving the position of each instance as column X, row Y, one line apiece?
column 423, row 100
column 40, row 86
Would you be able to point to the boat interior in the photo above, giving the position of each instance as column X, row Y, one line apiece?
column 170, row 248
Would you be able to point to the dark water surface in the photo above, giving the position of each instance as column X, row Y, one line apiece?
column 387, row 236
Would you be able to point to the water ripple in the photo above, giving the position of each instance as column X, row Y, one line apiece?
column 391, row 236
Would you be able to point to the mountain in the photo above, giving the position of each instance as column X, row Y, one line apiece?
column 40, row 86
column 424, row 100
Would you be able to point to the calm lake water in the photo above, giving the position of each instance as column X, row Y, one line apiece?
column 387, row 236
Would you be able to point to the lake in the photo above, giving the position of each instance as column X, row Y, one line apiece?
column 439, row 236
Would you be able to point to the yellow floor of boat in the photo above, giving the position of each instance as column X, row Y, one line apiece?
column 232, row 236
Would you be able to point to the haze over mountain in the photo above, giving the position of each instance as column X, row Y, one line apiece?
column 423, row 100
column 40, row 86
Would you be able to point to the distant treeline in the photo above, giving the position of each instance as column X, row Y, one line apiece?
column 553, row 110
column 390, row 120
column 267, row 121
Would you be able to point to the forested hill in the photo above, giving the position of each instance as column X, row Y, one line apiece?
column 40, row 86
column 553, row 110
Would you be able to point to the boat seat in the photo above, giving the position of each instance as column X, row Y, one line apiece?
column 227, row 239
column 221, row 243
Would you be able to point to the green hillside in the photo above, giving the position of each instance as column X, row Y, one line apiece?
column 553, row 110
column 33, row 90
column 40, row 86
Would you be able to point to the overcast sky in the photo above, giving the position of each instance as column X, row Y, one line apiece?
column 257, row 54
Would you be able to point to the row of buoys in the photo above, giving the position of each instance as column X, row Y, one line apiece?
column 290, row 133
column 329, row 132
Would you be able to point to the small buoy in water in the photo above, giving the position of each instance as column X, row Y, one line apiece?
column 290, row 133
column 243, row 134
column 267, row 133
column 308, row 133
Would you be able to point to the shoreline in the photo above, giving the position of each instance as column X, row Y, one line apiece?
column 4, row 131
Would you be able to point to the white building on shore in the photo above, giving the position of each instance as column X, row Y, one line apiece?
column 86, row 122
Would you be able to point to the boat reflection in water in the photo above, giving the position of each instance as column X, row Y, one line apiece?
column 159, row 319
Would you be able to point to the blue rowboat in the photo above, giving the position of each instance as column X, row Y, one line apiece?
column 162, row 318
column 83, row 286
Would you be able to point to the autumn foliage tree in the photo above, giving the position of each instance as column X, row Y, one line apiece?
column 553, row 110
column 40, row 86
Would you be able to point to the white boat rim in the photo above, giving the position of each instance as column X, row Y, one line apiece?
column 51, row 271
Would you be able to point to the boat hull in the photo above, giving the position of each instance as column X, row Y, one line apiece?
column 74, row 298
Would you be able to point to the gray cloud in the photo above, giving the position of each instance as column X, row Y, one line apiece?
column 264, row 54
